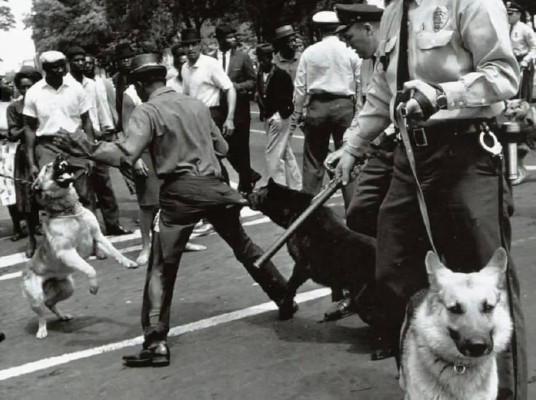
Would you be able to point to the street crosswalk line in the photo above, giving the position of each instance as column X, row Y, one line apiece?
column 206, row 323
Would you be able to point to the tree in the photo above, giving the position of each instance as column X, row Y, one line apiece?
column 7, row 21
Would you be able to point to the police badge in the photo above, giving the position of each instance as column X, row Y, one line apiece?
column 441, row 17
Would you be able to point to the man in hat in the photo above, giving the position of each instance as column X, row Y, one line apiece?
column 185, row 143
column 100, row 182
column 275, row 89
column 360, row 24
column 238, row 66
column 452, row 64
column 327, row 80
column 204, row 79
column 523, row 41
column 56, row 103
column 286, row 57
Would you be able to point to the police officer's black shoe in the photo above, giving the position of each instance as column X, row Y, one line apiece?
column 342, row 310
column 157, row 356
column 118, row 230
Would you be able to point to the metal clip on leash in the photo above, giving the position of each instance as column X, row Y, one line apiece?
column 495, row 149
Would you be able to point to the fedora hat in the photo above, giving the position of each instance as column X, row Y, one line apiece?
column 124, row 50
column 284, row 31
column 147, row 62
column 190, row 35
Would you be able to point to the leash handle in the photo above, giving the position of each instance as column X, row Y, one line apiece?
column 400, row 119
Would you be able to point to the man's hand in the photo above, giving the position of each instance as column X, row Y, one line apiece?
column 523, row 64
column 295, row 120
column 345, row 167
column 333, row 159
column 33, row 171
column 275, row 121
column 75, row 144
column 140, row 169
column 422, row 104
column 228, row 127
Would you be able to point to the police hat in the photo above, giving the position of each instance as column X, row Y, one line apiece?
column 348, row 14
column 326, row 18
column 143, row 63
column 513, row 6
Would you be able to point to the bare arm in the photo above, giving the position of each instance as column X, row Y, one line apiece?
column 87, row 126
column 30, row 127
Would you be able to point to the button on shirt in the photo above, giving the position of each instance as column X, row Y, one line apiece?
column 523, row 41
column 461, row 45
column 204, row 80
column 181, row 135
column 55, row 109
column 328, row 66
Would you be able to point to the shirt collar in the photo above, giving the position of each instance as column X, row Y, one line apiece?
column 65, row 82
column 161, row 90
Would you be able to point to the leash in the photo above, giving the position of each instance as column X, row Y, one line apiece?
column 401, row 121
column 22, row 181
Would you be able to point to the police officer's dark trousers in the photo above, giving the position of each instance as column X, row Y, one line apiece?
column 183, row 203
column 462, row 187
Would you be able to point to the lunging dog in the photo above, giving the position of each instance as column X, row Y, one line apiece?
column 323, row 248
column 453, row 332
column 71, row 233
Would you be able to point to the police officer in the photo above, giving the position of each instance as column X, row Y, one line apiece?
column 452, row 62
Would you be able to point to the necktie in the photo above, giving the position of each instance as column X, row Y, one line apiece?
column 224, row 60
column 402, row 74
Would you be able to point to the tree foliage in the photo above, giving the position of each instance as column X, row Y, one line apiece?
column 7, row 21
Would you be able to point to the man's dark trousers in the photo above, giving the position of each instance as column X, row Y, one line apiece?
column 102, row 186
column 177, row 220
column 327, row 117
column 461, row 184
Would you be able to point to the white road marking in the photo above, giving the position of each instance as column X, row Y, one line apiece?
column 50, row 362
column 531, row 167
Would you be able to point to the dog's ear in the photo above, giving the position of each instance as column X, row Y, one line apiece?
column 496, row 267
column 436, row 270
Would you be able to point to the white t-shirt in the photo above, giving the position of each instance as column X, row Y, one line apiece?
column 204, row 80
column 55, row 109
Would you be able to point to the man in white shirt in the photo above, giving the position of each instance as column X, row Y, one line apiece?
column 100, row 183
column 327, row 80
column 204, row 78
column 56, row 103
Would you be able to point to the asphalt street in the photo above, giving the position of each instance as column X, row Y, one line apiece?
column 227, row 342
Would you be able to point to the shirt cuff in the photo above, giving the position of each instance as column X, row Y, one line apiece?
column 455, row 92
column 357, row 146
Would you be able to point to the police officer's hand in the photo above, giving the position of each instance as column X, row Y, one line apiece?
column 75, row 144
column 422, row 104
column 228, row 128
column 33, row 172
column 345, row 167
column 140, row 168
column 523, row 64
column 333, row 159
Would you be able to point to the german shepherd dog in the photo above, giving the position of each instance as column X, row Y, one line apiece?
column 71, row 234
column 453, row 332
column 323, row 248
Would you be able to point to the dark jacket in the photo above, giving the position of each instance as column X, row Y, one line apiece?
column 276, row 95
column 242, row 74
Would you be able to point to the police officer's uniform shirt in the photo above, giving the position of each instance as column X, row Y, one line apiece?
column 461, row 45
column 523, row 41
column 328, row 66
column 55, row 109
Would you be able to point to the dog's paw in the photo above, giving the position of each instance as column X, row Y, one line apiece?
column 66, row 317
column 129, row 263
column 93, row 286
column 41, row 333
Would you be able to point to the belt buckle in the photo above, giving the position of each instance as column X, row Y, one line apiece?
column 419, row 137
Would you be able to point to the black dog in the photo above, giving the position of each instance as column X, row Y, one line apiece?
column 323, row 248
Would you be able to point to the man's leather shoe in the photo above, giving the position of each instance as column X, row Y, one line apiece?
column 157, row 356
column 118, row 230
column 342, row 309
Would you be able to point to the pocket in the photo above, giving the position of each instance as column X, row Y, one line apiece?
column 386, row 47
column 432, row 40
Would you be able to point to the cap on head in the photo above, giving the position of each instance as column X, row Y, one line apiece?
column 49, row 57
column 284, row 31
column 74, row 51
column 189, row 36
column 124, row 50
column 513, row 6
column 349, row 14
column 223, row 30
column 147, row 62
column 326, row 18
column 264, row 49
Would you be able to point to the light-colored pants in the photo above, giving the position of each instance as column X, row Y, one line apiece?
column 281, row 162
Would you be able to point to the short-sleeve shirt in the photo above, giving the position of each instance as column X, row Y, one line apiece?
column 55, row 109
column 204, row 80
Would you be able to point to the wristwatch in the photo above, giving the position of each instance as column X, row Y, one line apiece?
column 441, row 99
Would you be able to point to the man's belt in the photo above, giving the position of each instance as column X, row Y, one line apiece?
column 330, row 96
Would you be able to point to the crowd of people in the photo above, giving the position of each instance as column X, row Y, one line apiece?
column 451, row 64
